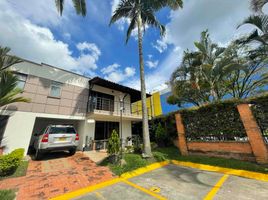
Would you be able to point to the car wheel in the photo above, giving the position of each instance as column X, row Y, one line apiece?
column 37, row 155
column 72, row 151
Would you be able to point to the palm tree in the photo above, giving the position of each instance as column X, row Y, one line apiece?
column 260, row 34
column 79, row 5
column 8, row 81
column 142, row 13
column 257, row 5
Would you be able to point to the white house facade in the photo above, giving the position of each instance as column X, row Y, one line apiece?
column 94, row 106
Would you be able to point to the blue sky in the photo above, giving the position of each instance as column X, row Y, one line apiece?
column 35, row 31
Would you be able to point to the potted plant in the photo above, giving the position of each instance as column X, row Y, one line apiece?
column 114, row 147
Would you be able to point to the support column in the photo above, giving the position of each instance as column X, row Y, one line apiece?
column 254, row 134
column 181, row 135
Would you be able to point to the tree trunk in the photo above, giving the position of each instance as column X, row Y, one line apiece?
column 145, row 126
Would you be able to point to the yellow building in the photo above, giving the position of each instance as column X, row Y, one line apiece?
column 153, row 105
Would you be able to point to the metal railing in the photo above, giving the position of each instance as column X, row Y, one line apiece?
column 108, row 105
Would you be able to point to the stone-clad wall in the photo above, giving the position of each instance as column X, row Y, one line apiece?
column 73, row 99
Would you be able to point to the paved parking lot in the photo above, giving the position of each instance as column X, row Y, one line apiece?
column 177, row 182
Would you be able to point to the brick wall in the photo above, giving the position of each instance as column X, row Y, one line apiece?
column 253, row 150
column 237, row 150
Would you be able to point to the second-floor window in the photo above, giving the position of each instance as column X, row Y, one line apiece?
column 21, row 81
column 55, row 89
column 101, row 101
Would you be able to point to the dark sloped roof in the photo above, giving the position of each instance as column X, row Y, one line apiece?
column 134, row 94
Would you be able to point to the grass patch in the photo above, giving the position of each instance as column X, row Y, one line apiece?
column 7, row 194
column 134, row 161
column 20, row 171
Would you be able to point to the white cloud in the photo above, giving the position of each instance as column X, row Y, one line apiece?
column 152, row 64
column 130, row 71
column 115, row 74
column 38, row 44
column 89, row 47
column 160, row 45
column 155, row 80
column 110, row 68
column 219, row 17
column 41, row 12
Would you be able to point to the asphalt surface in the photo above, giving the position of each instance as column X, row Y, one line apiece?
column 176, row 182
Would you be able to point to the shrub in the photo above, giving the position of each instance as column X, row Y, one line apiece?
column 160, row 135
column 159, row 156
column 113, row 146
column 10, row 162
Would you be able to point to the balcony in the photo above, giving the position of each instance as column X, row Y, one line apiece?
column 104, row 108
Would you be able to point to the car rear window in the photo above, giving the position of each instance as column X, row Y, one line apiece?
column 59, row 130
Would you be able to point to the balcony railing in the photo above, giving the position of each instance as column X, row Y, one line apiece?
column 108, row 105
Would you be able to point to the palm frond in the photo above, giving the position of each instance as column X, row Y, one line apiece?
column 260, row 21
column 59, row 5
column 159, row 4
column 6, row 60
column 149, row 19
column 257, row 5
column 131, row 27
column 123, row 10
column 80, row 7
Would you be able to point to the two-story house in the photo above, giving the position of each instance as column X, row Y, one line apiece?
column 94, row 106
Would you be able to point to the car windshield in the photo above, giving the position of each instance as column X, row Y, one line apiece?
column 59, row 130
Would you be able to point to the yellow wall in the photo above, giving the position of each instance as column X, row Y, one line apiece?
column 153, row 105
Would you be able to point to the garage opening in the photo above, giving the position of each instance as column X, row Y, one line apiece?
column 42, row 123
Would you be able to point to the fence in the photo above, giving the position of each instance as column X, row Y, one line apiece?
column 229, row 129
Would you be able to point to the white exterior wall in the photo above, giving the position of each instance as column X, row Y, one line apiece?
column 127, row 131
column 18, row 131
column 20, row 125
column 85, row 129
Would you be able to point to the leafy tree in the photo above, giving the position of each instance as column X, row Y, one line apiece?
column 8, row 81
column 142, row 13
column 252, row 79
column 200, row 78
column 79, row 5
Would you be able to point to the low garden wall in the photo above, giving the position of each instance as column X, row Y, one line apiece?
column 228, row 129
column 236, row 150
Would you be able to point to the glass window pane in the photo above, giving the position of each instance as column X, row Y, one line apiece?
column 55, row 91
column 21, row 85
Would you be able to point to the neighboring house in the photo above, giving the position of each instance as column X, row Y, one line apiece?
column 63, row 97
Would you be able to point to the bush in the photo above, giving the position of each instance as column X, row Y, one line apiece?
column 113, row 146
column 7, row 194
column 10, row 162
column 160, row 135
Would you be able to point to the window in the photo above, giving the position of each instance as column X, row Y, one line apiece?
column 55, row 89
column 21, row 80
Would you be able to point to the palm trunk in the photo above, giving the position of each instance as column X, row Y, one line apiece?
column 145, row 127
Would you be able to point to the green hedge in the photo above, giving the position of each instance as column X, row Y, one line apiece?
column 215, row 122
column 260, row 111
column 10, row 162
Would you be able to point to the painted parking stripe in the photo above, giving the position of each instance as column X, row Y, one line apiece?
column 236, row 172
column 216, row 187
column 144, row 190
column 127, row 175
column 86, row 190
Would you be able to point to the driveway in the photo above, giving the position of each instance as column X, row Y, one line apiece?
column 57, row 174
column 177, row 182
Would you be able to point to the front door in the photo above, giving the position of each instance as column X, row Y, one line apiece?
column 103, row 130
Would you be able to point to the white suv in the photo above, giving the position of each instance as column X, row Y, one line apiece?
column 55, row 138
